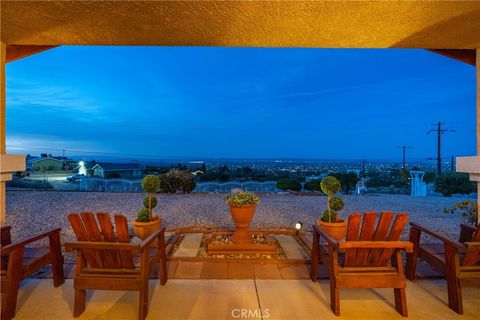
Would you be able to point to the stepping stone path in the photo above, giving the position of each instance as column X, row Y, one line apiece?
column 290, row 246
column 189, row 245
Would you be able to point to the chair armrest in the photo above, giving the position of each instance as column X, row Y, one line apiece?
column 80, row 245
column 405, row 245
column 22, row 243
column 148, row 240
column 331, row 241
column 436, row 235
column 473, row 246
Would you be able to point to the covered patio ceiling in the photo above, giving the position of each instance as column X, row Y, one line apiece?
column 322, row 24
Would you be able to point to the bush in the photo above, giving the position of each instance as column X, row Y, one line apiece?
column 187, row 182
column 175, row 180
column 312, row 185
column 30, row 184
column 289, row 184
column 348, row 181
column 451, row 183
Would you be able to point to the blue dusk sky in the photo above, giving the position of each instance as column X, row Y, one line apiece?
column 208, row 102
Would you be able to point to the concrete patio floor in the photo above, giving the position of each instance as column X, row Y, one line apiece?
column 225, row 299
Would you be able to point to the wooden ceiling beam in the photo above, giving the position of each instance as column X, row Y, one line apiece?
column 463, row 55
column 16, row 52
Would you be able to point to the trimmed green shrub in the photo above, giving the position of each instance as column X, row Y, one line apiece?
column 150, row 183
column 331, row 185
column 142, row 215
column 147, row 199
column 336, row 203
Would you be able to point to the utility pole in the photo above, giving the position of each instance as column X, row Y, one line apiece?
column 437, row 127
column 363, row 168
column 404, row 147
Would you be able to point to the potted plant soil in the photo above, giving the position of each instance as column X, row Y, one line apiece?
column 329, row 220
column 242, row 207
column 146, row 221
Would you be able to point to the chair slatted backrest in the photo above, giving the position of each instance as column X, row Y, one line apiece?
column 86, row 228
column 367, row 230
column 472, row 258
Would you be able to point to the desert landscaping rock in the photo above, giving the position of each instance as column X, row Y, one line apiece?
column 30, row 212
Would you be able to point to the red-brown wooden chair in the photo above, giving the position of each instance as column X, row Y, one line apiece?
column 20, row 262
column 106, row 258
column 369, row 258
column 456, row 260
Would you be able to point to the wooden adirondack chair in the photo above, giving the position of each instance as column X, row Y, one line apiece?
column 106, row 258
column 19, row 262
column 369, row 258
column 457, row 260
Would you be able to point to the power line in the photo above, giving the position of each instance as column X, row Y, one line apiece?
column 437, row 127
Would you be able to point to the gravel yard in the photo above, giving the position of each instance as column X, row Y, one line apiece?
column 30, row 212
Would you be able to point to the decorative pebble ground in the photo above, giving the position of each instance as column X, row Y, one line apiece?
column 30, row 212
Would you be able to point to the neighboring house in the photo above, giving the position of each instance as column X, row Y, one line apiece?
column 118, row 170
column 46, row 163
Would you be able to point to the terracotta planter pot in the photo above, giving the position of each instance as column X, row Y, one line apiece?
column 242, row 217
column 337, row 229
column 144, row 229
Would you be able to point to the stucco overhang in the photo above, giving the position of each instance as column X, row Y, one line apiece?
column 323, row 24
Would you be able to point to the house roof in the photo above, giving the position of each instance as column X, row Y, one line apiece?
column 108, row 166
column 45, row 158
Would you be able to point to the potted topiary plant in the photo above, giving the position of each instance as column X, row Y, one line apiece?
column 146, row 221
column 242, row 207
column 329, row 220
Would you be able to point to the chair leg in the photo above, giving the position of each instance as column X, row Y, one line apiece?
column 14, row 276
column 143, row 301
column 80, row 298
column 453, row 285
column 400, row 301
column 334, row 298
column 314, row 260
column 162, row 257
column 411, row 263
column 57, row 259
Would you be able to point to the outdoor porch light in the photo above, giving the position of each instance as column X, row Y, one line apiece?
column 298, row 226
